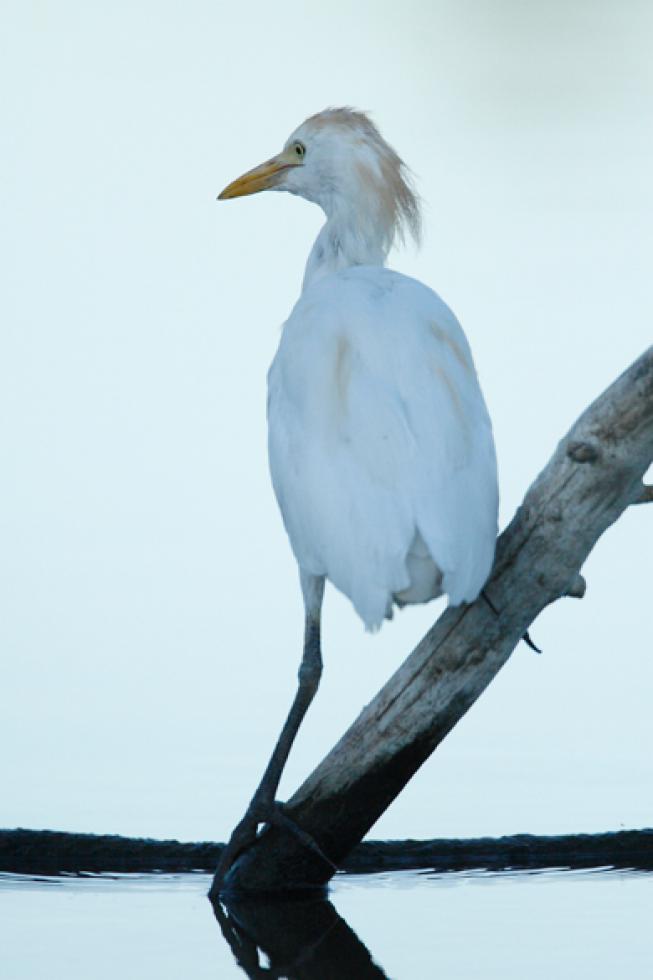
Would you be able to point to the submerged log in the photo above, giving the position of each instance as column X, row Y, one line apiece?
column 595, row 473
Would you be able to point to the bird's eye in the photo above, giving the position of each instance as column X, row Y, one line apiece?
column 300, row 151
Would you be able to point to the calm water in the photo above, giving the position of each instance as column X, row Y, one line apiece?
column 407, row 925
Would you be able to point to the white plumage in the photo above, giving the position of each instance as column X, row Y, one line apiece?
column 380, row 444
column 381, row 448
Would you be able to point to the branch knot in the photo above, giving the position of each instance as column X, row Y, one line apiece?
column 583, row 452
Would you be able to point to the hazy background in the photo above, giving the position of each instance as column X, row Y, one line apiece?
column 150, row 620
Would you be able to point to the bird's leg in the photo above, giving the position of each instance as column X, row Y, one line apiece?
column 262, row 807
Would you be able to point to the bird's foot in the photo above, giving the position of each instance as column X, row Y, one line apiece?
column 268, row 813
column 242, row 837
column 526, row 637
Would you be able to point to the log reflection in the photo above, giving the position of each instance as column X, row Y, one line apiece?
column 294, row 939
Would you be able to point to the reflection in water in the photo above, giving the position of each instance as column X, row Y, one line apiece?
column 301, row 940
column 552, row 924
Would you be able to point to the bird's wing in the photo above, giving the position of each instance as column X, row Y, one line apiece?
column 378, row 431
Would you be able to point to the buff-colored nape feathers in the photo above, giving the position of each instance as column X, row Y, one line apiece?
column 382, row 170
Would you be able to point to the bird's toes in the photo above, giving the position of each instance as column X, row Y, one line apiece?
column 281, row 819
column 242, row 837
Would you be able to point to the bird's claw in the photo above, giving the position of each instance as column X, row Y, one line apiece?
column 528, row 641
column 526, row 637
column 242, row 837
column 246, row 832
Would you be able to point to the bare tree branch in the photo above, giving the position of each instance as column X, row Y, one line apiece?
column 594, row 475
column 577, row 588
column 645, row 495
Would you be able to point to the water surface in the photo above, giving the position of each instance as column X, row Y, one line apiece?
column 400, row 925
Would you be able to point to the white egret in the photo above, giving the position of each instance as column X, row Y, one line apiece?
column 380, row 444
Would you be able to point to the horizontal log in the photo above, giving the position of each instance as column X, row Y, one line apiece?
column 48, row 852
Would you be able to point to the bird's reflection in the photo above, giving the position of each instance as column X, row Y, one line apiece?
column 294, row 939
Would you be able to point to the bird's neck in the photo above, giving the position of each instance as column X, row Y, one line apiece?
column 343, row 242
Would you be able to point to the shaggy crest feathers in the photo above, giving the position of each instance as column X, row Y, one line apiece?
column 381, row 169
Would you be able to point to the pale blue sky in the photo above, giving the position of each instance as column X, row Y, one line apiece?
column 150, row 617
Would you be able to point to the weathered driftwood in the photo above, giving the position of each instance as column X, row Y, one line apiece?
column 594, row 475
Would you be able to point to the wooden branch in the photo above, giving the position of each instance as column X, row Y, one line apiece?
column 595, row 473
column 577, row 588
column 645, row 495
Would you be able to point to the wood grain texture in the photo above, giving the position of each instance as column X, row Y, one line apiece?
column 595, row 473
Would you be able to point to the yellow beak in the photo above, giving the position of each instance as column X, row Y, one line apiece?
column 260, row 178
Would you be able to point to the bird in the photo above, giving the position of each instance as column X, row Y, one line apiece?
column 380, row 444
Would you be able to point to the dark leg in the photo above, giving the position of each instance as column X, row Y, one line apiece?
column 262, row 807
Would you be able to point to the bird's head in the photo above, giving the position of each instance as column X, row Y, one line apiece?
column 339, row 160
